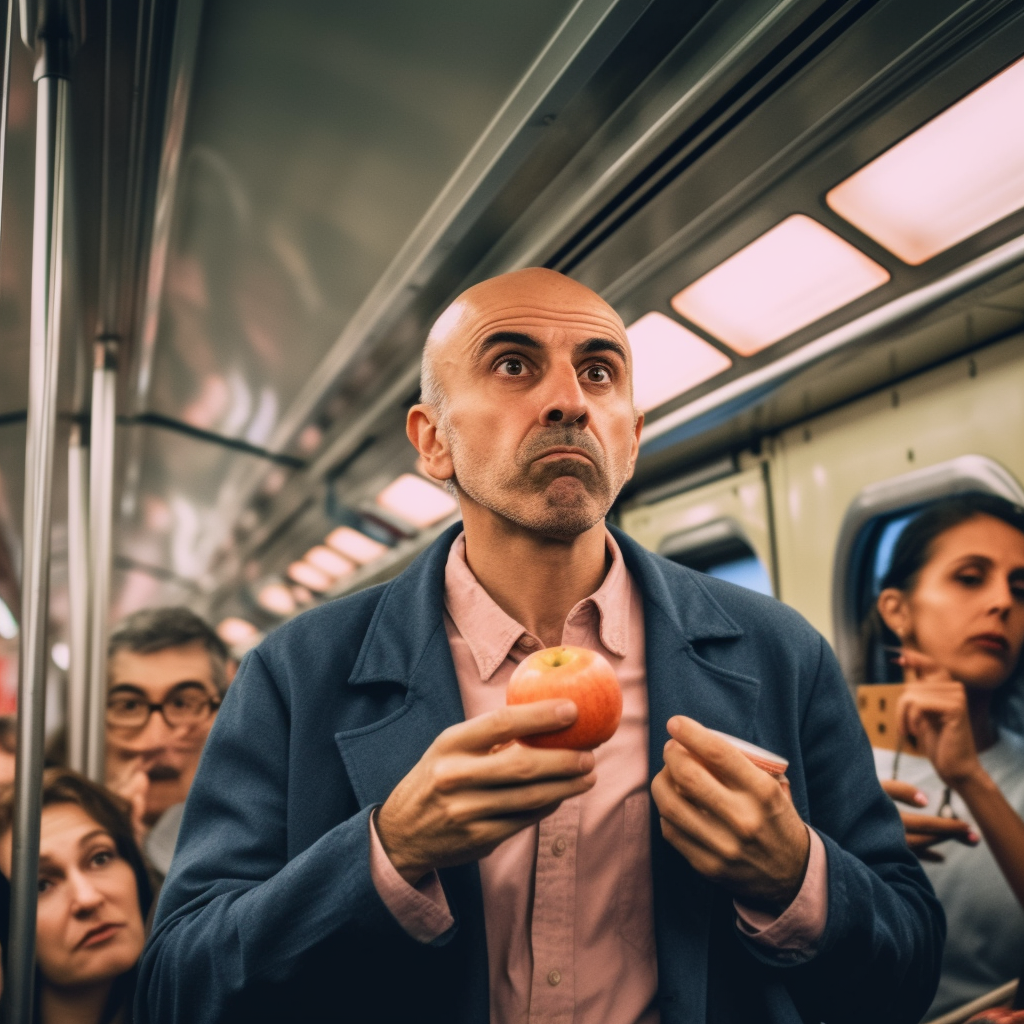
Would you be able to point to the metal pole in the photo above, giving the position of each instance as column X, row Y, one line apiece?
column 78, row 597
column 47, row 244
column 101, row 517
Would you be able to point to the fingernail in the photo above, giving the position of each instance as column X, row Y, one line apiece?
column 566, row 711
column 973, row 837
column 920, row 799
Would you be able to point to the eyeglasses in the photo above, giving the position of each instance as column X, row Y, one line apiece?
column 187, row 704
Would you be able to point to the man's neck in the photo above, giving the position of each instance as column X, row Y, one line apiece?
column 534, row 579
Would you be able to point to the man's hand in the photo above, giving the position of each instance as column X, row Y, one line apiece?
column 474, row 788
column 925, row 830
column 126, row 776
column 730, row 820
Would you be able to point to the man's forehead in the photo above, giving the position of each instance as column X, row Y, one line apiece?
column 166, row 667
column 527, row 299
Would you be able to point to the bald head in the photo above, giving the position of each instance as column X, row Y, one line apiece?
column 527, row 410
column 535, row 292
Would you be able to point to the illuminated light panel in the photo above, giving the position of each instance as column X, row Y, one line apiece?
column 420, row 504
column 309, row 576
column 61, row 654
column 954, row 176
column 234, row 631
column 668, row 359
column 792, row 275
column 329, row 562
column 276, row 598
column 355, row 546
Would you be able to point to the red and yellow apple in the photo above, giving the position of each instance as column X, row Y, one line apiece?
column 576, row 674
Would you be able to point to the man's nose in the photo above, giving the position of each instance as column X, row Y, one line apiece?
column 154, row 736
column 563, row 399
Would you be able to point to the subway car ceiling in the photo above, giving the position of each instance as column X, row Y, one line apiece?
column 791, row 204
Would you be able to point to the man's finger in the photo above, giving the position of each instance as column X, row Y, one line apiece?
column 722, row 759
column 512, row 765
column 477, row 804
column 508, row 723
column 694, row 781
column 700, row 828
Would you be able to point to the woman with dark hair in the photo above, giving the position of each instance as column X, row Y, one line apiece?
column 94, row 895
column 952, row 602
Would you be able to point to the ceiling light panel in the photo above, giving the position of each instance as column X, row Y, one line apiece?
column 329, row 562
column 950, row 179
column 668, row 359
column 420, row 504
column 276, row 598
column 355, row 546
column 309, row 576
column 792, row 275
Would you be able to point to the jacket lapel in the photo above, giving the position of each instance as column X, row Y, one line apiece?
column 406, row 646
column 680, row 613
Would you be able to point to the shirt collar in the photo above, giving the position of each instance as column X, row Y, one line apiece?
column 491, row 633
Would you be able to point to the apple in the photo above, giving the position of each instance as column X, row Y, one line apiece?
column 576, row 674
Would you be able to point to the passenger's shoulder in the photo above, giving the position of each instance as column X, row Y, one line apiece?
column 330, row 634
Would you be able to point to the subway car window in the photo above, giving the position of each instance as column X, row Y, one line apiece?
column 719, row 549
column 367, row 373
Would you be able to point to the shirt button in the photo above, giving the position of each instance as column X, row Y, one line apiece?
column 528, row 643
column 558, row 848
column 554, row 977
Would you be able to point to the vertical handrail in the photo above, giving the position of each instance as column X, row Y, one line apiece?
column 44, row 357
column 101, row 517
column 78, row 597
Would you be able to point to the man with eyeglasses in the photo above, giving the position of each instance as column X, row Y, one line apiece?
column 168, row 671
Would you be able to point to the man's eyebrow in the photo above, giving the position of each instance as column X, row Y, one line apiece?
column 603, row 345
column 507, row 338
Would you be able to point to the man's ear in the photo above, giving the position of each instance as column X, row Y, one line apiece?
column 427, row 437
column 892, row 606
column 637, row 429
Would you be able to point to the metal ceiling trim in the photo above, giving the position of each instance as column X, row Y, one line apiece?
column 586, row 37
column 184, row 50
column 689, row 419
column 538, row 240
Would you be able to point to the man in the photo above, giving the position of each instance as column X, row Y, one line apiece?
column 365, row 841
column 168, row 672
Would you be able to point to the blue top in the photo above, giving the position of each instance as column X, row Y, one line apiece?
column 269, row 912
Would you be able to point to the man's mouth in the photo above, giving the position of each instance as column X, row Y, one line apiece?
column 163, row 773
column 573, row 454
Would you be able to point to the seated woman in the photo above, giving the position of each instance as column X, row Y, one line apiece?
column 94, row 895
column 953, row 600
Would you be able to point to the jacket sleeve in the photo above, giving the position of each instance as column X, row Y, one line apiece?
column 235, row 912
column 880, row 954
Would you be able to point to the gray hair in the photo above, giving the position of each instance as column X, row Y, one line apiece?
column 157, row 629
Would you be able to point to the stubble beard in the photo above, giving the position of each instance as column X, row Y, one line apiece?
column 558, row 500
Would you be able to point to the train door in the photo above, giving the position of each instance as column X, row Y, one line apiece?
column 722, row 528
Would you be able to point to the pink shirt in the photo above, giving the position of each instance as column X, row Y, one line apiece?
column 568, row 904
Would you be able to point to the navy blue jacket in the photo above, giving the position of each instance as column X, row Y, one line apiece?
column 269, row 912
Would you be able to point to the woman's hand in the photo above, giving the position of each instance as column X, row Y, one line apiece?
column 926, row 830
column 932, row 713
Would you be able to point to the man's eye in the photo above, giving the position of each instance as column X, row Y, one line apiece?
column 598, row 374
column 44, row 885
column 511, row 367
